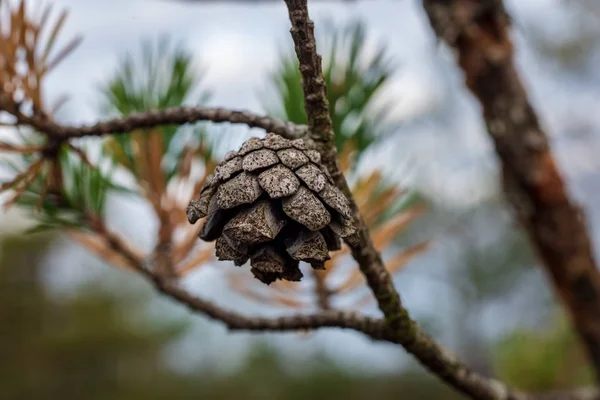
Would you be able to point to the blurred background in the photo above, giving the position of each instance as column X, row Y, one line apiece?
column 75, row 324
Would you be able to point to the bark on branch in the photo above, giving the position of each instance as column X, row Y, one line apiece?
column 403, row 329
column 372, row 327
column 479, row 31
column 177, row 115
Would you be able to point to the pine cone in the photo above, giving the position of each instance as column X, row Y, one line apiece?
column 274, row 203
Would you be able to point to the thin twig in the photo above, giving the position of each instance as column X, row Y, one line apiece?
column 100, row 246
column 20, row 149
column 24, row 184
column 176, row 115
column 372, row 327
column 116, row 244
column 184, row 246
column 23, row 176
column 81, row 154
column 532, row 182
column 195, row 261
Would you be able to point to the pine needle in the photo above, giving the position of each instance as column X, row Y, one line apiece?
column 195, row 261
column 186, row 245
column 22, row 176
column 24, row 181
column 99, row 246
column 20, row 149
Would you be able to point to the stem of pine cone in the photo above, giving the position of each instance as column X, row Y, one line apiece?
column 532, row 182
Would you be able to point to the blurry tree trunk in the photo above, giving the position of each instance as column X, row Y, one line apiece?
column 479, row 31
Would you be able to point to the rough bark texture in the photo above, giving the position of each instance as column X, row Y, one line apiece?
column 177, row 115
column 479, row 31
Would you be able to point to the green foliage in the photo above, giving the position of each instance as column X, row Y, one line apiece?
column 85, row 345
column 353, row 79
column 81, row 194
column 158, row 76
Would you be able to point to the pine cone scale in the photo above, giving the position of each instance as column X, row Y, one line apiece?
column 304, row 207
column 259, row 159
column 255, row 225
column 215, row 221
column 309, row 247
column 228, row 169
column 312, row 176
column 335, row 199
column 226, row 252
column 292, row 158
column 278, row 182
column 242, row 189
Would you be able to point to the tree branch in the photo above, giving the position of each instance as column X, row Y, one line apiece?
column 177, row 115
column 403, row 329
column 321, row 133
column 479, row 31
column 374, row 328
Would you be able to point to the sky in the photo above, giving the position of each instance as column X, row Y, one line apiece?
column 441, row 140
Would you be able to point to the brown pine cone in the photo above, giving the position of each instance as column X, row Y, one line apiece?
column 274, row 203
